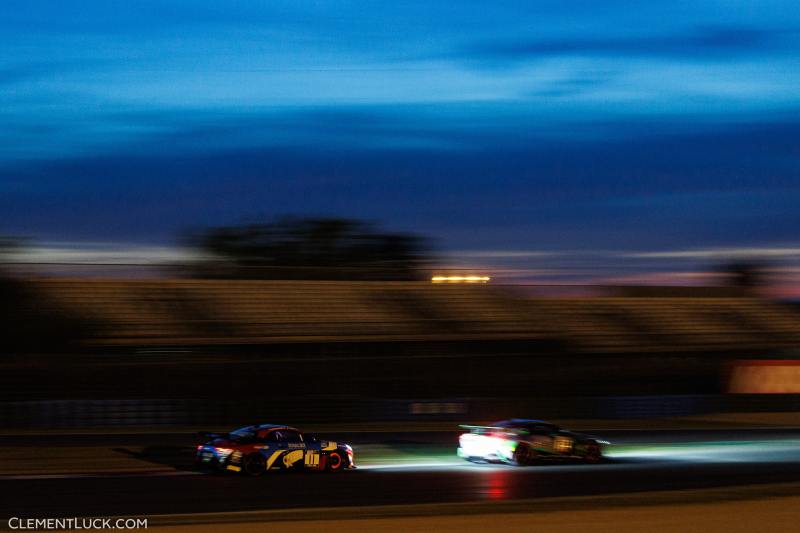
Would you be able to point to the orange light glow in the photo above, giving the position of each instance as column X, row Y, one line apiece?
column 460, row 279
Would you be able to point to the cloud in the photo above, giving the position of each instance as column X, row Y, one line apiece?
column 573, row 85
column 10, row 75
column 502, row 254
column 100, row 254
column 719, row 41
column 25, row 71
column 741, row 252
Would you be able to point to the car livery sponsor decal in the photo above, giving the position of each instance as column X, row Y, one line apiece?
column 272, row 458
column 292, row 457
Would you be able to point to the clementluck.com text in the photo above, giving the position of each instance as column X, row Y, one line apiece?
column 42, row 524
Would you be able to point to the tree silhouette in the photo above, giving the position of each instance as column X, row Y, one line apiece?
column 309, row 248
column 744, row 274
column 28, row 321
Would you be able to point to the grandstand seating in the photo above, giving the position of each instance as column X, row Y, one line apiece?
column 140, row 312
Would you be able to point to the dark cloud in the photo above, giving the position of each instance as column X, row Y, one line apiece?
column 574, row 85
column 636, row 191
column 719, row 41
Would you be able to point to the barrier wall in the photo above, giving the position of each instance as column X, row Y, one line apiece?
column 196, row 412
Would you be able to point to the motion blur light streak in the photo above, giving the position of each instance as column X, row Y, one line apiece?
column 765, row 377
column 421, row 465
column 460, row 279
column 497, row 485
column 777, row 450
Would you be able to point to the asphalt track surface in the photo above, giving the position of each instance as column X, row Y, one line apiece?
column 680, row 460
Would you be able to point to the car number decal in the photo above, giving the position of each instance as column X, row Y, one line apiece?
column 562, row 444
column 312, row 458
column 543, row 443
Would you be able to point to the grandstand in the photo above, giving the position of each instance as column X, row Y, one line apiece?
column 211, row 312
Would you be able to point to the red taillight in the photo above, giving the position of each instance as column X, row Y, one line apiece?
column 199, row 447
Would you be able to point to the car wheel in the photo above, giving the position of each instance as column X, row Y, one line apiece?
column 593, row 454
column 254, row 464
column 524, row 455
column 335, row 462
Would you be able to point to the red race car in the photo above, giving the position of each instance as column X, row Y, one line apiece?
column 253, row 450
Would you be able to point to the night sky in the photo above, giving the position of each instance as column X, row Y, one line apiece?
column 625, row 139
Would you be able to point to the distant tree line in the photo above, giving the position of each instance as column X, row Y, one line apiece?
column 308, row 248
column 28, row 322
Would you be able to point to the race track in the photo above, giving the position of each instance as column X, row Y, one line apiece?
column 643, row 461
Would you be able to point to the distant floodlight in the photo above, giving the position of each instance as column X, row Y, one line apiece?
column 460, row 279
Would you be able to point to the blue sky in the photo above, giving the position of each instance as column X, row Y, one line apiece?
column 495, row 128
